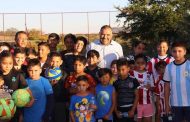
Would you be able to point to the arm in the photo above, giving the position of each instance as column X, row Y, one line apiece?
column 72, row 116
column 135, row 103
column 112, row 107
column 166, row 96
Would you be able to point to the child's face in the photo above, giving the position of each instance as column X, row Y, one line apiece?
column 19, row 59
column 69, row 44
column 82, row 86
column 178, row 53
column 79, row 67
column 53, row 42
column 43, row 51
column 34, row 72
column 93, row 60
column 162, row 49
column 6, row 64
column 123, row 70
column 105, row 79
column 79, row 46
column 56, row 61
column 140, row 64
column 132, row 66
column 22, row 40
column 139, row 49
column 114, row 69
column 161, row 70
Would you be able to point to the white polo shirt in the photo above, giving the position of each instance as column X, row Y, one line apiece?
column 108, row 53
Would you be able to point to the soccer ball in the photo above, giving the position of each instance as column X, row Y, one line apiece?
column 21, row 97
column 7, row 108
column 53, row 73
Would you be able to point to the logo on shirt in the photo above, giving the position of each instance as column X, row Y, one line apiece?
column 186, row 74
column 13, row 79
column 103, row 97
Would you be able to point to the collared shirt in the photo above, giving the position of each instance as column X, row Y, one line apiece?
column 108, row 53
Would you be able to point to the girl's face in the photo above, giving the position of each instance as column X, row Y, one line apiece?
column 114, row 69
column 82, row 86
column 139, row 49
column 140, row 64
column 6, row 64
column 19, row 59
column 79, row 46
column 43, row 51
column 22, row 40
column 162, row 49
column 105, row 79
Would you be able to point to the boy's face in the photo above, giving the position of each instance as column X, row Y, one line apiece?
column 69, row 44
column 43, row 51
column 22, row 40
column 123, row 70
column 140, row 64
column 93, row 60
column 139, row 49
column 6, row 64
column 79, row 67
column 82, row 85
column 178, row 53
column 162, row 49
column 105, row 79
column 53, row 42
column 19, row 59
column 34, row 72
column 56, row 61
column 79, row 46
column 114, row 69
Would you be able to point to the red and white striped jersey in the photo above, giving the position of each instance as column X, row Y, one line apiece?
column 159, row 90
column 153, row 61
column 145, row 95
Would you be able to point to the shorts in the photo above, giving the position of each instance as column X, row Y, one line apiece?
column 145, row 110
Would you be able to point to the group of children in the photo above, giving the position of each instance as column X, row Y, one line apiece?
column 134, row 88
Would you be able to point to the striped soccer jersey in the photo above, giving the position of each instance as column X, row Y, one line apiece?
column 145, row 95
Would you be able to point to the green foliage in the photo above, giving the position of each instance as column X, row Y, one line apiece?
column 151, row 20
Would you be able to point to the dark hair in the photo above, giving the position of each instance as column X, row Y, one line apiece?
column 136, row 42
column 31, row 51
column 104, row 71
column 131, row 62
column 73, row 37
column 81, row 59
column 33, row 62
column 5, row 54
column 44, row 44
column 55, row 54
column 83, row 39
column 18, row 33
column 82, row 78
column 54, row 35
column 105, row 27
column 163, row 41
column 92, row 53
column 122, row 62
column 5, row 44
column 141, row 56
column 113, row 62
column 179, row 44
column 19, row 50
column 160, row 64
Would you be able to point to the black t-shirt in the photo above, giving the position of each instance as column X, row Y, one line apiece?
column 126, row 90
column 93, row 73
column 14, row 80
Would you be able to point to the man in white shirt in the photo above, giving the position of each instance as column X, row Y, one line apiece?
column 108, row 49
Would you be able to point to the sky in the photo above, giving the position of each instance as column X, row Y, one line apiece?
column 72, row 22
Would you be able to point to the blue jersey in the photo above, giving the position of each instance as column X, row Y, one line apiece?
column 80, row 107
column 39, row 88
column 104, row 100
column 179, row 77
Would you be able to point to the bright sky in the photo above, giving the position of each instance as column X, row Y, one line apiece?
column 72, row 23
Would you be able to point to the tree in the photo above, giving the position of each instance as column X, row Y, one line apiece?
column 151, row 20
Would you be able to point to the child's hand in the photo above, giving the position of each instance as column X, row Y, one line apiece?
column 148, row 86
column 30, row 103
column 106, row 117
column 118, row 114
column 131, row 113
column 53, row 82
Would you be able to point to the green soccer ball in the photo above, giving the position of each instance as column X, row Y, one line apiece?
column 7, row 109
column 21, row 97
